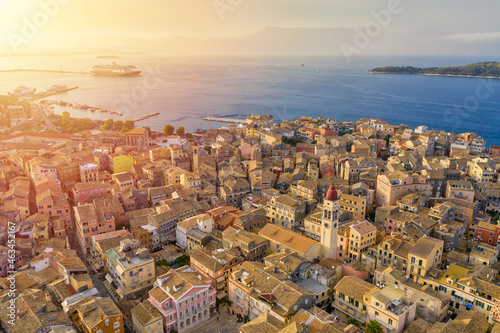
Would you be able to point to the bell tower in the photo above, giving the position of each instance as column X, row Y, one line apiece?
column 330, row 223
column 196, row 150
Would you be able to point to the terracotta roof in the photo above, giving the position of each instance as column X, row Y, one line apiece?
column 287, row 237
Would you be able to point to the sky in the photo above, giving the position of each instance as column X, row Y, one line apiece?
column 60, row 24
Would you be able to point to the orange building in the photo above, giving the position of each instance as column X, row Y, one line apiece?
column 392, row 186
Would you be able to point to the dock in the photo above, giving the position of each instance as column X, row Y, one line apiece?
column 225, row 120
column 145, row 116
column 48, row 93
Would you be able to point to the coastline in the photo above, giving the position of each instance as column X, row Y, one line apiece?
column 443, row 75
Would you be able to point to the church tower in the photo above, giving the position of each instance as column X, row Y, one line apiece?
column 196, row 150
column 330, row 223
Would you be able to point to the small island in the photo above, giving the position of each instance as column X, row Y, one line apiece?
column 490, row 69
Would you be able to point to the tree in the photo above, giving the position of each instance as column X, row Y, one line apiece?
column 353, row 321
column 108, row 124
column 189, row 135
column 118, row 125
column 168, row 130
column 374, row 326
column 181, row 131
column 128, row 125
column 66, row 115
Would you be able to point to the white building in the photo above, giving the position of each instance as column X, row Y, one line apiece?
column 89, row 173
column 202, row 222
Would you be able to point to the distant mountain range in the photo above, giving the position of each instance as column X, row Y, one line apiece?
column 274, row 40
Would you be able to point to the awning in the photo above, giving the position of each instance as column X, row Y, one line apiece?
column 109, row 278
column 220, row 279
column 468, row 306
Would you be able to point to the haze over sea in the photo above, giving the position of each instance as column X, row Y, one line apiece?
column 184, row 89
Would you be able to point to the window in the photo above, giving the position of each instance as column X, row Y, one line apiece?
column 106, row 322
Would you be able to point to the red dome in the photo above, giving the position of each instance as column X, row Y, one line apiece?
column 195, row 144
column 332, row 194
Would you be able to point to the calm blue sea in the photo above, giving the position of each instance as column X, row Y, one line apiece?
column 186, row 89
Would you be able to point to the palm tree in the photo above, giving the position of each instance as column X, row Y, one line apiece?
column 374, row 326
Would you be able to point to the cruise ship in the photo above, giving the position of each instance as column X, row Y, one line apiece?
column 22, row 91
column 115, row 70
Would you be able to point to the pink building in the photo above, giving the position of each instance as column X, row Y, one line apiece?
column 55, row 205
column 185, row 299
column 83, row 191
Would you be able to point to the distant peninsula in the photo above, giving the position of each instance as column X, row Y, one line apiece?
column 490, row 69
column 108, row 57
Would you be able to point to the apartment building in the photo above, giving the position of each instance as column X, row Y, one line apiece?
column 352, row 299
column 89, row 173
column 392, row 186
column 286, row 211
column 393, row 309
column 361, row 236
column 146, row 318
column 130, row 267
column 355, row 205
column 253, row 291
column 460, row 189
column 480, row 170
column 98, row 315
column 89, row 222
column 251, row 245
column 425, row 254
column 216, row 266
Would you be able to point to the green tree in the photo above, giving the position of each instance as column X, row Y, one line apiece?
column 168, row 130
column 189, row 135
column 108, row 124
column 66, row 115
column 181, row 131
column 353, row 321
column 118, row 125
column 129, row 125
column 374, row 326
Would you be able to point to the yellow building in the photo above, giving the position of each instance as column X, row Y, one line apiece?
column 425, row 254
column 81, row 282
column 286, row 211
column 121, row 163
column 40, row 231
column 146, row 318
column 392, row 309
column 173, row 175
column 352, row 298
column 355, row 205
column 362, row 235
column 68, row 172
column 130, row 267
column 98, row 315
